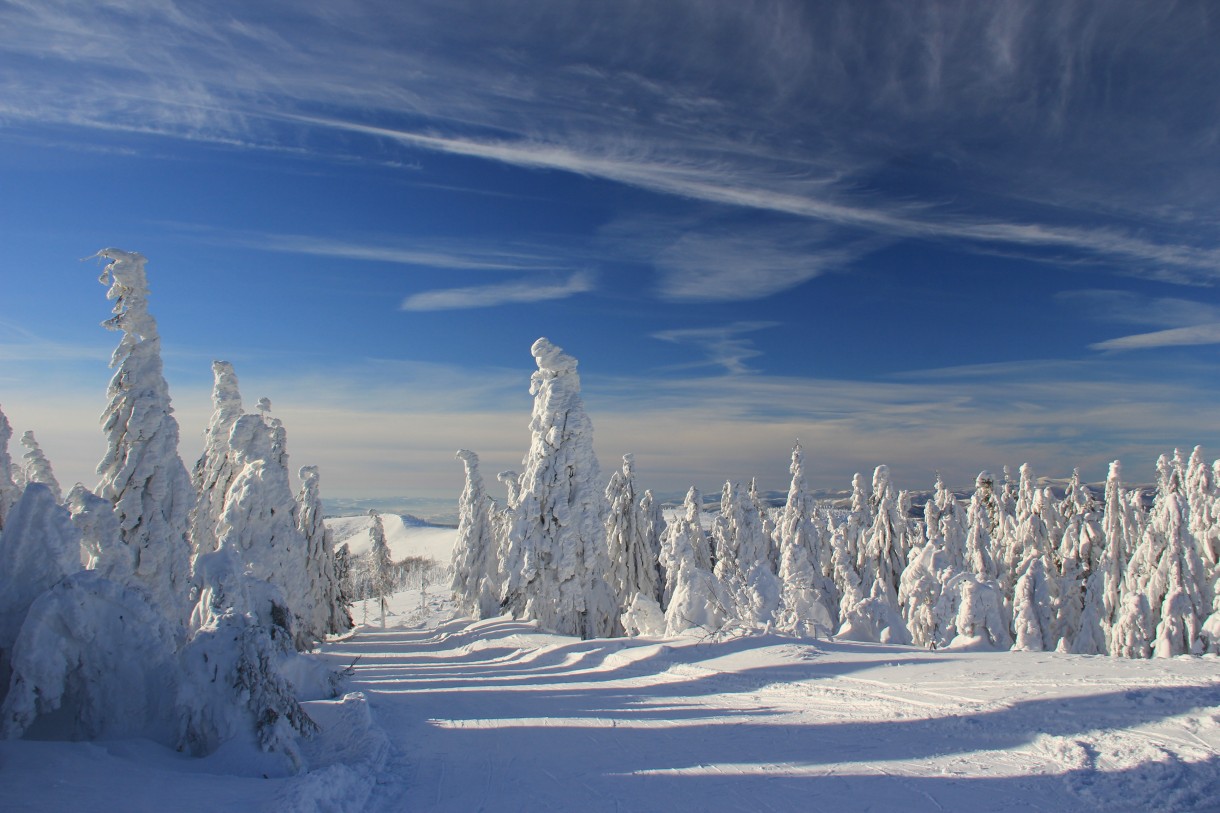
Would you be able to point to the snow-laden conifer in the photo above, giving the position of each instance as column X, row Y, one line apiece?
column 696, row 601
column 686, row 531
column 232, row 682
column 476, row 578
column 744, row 570
column 326, row 612
column 883, row 555
column 102, row 657
column 881, row 559
column 141, row 472
column 982, row 518
column 38, row 547
column 1165, row 569
column 214, row 470
column 1204, row 501
column 970, row 614
column 634, row 546
column 37, row 468
column 859, row 519
column 919, row 592
column 809, row 598
column 1035, row 603
column 654, row 531
column 557, row 559
column 259, row 518
column 9, row 492
column 102, row 547
column 381, row 565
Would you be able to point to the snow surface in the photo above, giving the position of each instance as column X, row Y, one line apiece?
column 406, row 535
column 446, row 714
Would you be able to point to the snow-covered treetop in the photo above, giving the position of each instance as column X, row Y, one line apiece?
column 226, row 397
column 129, row 290
column 551, row 358
column 37, row 467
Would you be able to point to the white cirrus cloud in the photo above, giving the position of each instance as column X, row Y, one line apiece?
column 509, row 293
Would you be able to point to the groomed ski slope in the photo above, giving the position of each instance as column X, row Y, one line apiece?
column 495, row 715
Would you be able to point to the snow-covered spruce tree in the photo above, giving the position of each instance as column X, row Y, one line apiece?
column 743, row 562
column 769, row 527
column 859, row 519
column 982, row 518
column 923, row 582
column 970, row 615
column 93, row 659
column 37, row 468
column 327, row 612
column 881, row 559
column 141, row 472
column 556, row 558
column 381, row 566
column 476, row 578
column 883, row 555
column 1035, row 603
column 232, row 685
column 634, row 547
column 258, row 520
column 809, row 598
column 1166, row 571
column 951, row 524
column 38, row 547
column 214, row 470
column 1204, row 501
column 1104, row 589
column 102, row 547
column 685, row 531
column 695, row 599
column 654, row 531
column 9, row 492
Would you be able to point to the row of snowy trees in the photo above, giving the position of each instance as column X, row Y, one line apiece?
column 1017, row 566
column 164, row 602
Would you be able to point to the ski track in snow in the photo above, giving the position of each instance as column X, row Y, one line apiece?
column 497, row 716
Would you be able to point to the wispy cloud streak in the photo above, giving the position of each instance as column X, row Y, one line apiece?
column 488, row 296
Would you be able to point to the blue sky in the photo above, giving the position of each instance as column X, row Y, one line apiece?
column 942, row 236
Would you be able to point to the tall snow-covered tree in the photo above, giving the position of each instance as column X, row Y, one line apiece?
column 37, row 468
column 476, row 576
column 141, row 472
column 9, row 492
column 809, row 598
column 982, row 520
column 695, row 599
column 381, row 565
column 743, row 562
column 1204, row 501
column 259, row 518
column 923, row 582
column 880, row 562
column 327, row 612
column 685, row 531
column 1166, row 571
column 215, row 470
column 634, row 547
column 557, row 558
column 654, row 530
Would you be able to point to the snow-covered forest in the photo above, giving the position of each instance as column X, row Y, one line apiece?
column 1018, row 565
column 194, row 607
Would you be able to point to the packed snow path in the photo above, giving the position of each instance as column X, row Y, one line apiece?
column 496, row 716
